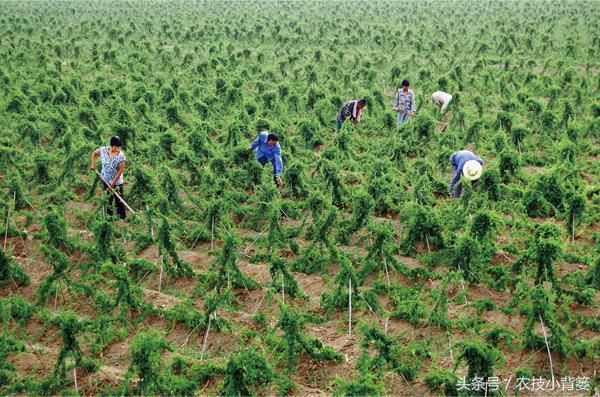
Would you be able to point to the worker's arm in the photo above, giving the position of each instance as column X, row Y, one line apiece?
column 254, row 144
column 119, row 173
column 95, row 155
column 455, row 179
column 413, row 107
column 278, row 162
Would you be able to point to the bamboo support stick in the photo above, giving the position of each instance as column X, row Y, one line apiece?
column 7, row 220
column 205, row 338
column 160, row 277
column 350, row 306
column 548, row 348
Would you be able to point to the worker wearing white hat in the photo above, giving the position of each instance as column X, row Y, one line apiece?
column 442, row 99
column 467, row 164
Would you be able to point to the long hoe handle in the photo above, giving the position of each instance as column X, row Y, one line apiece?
column 115, row 193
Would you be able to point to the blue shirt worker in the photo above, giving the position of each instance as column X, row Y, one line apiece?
column 268, row 149
column 467, row 164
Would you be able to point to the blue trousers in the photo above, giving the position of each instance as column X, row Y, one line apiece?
column 339, row 123
column 401, row 119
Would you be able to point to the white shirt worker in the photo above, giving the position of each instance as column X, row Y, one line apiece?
column 442, row 98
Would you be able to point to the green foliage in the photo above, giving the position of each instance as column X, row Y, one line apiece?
column 225, row 271
column 362, row 209
column 11, row 272
column 479, row 357
column 166, row 247
column 281, row 278
column 544, row 309
column 50, row 284
column 56, row 228
column 296, row 341
column 365, row 385
column 245, row 370
column 422, row 225
column 146, row 349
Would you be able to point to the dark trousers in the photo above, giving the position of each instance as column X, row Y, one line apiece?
column 264, row 160
column 114, row 200
column 339, row 123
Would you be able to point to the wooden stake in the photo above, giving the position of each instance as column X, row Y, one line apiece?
column 7, row 219
column 350, row 306
column 548, row 348
column 427, row 241
column 282, row 289
column 205, row 337
column 572, row 231
column 387, row 274
column 75, row 378
column 160, row 277
column 212, row 233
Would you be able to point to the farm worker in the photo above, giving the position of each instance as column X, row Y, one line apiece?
column 113, row 165
column 351, row 109
column 404, row 103
column 442, row 99
column 469, row 165
column 268, row 149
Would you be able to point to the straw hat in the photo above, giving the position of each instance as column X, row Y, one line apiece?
column 472, row 170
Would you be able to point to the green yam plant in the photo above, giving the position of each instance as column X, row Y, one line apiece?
column 422, row 225
column 56, row 231
column 167, row 249
column 480, row 360
column 388, row 354
column 468, row 258
column 11, row 272
column 317, row 255
column 225, row 272
column 575, row 213
column 543, row 310
column 484, row 227
column 364, row 385
column 546, row 248
column 70, row 326
column 296, row 342
column 51, row 284
column 245, row 373
column 380, row 256
column 281, row 278
column 347, row 293
column 362, row 209
column 146, row 364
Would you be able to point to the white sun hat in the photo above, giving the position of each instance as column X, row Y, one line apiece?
column 472, row 170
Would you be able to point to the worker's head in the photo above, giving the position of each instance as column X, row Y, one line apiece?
column 405, row 85
column 272, row 139
column 472, row 170
column 115, row 141
column 362, row 103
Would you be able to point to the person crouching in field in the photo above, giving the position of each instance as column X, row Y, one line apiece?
column 268, row 149
column 442, row 99
column 466, row 163
column 404, row 103
column 352, row 110
column 113, row 165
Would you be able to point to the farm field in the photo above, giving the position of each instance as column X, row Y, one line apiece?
column 362, row 276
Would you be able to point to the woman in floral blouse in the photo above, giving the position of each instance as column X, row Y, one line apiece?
column 113, row 165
